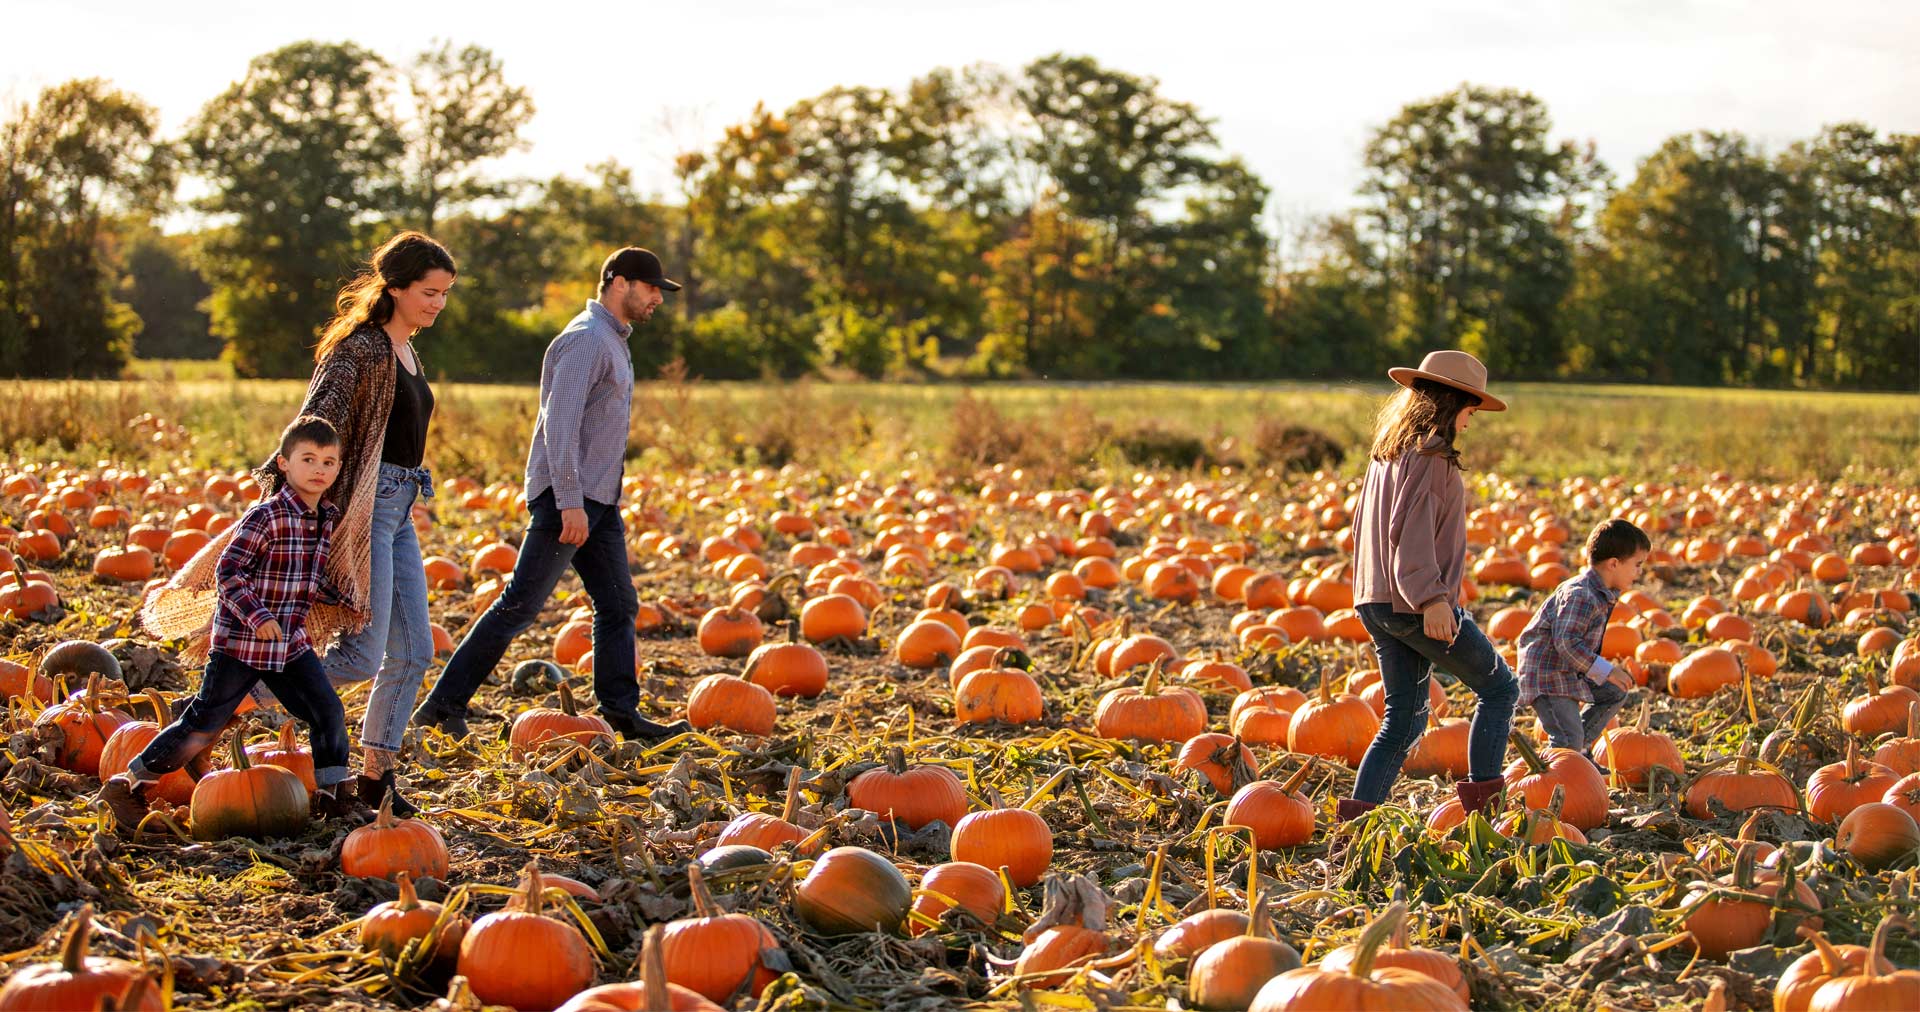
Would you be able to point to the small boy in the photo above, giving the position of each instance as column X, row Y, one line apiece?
column 1560, row 662
column 269, row 575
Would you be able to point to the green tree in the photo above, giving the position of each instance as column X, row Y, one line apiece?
column 1472, row 209
column 302, row 157
column 464, row 113
column 164, row 290
column 1699, row 266
column 82, row 151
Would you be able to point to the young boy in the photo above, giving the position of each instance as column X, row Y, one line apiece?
column 1560, row 662
column 269, row 575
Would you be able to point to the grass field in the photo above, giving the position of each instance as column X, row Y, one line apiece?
column 1552, row 430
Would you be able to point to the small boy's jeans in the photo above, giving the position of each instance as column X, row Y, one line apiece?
column 1568, row 726
column 303, row 688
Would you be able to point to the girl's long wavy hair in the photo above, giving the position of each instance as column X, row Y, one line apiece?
column 398, row 263
column 1420, row 418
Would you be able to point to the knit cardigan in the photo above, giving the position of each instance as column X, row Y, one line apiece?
column 352, row 388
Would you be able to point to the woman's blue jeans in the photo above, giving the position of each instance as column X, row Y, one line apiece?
column 396, row 647
column 1407, row 658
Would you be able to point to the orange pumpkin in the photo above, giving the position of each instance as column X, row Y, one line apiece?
column 494, row 953
column 916, row 795
column 1360, row 984
column 80, row 981
column 1534, row 777
column 1220, row 758
column 960, row 885
column 248, row 800
column 1337, row 727
column 285, row 752
column 1632, row 753
column 851, row 890
column 1011, row 838
column 543, row 728
column 130, row 738
column 714, row 953
column 729, row 632
column 723, row 700
column 1722, row 923
column 1150, row 712
column 1835, row 789
column 393, row 926
column 389, row 847
column 1279, row 815
column 1740, row 789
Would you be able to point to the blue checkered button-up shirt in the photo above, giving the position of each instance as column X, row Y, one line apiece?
column 586, row 395
column 1560, row 648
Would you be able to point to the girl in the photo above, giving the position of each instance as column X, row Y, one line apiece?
column 1409, row 559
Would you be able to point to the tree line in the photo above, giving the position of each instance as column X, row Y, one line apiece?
column 1062, row 220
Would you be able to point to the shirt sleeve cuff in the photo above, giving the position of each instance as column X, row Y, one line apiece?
column 572, row 500
column 1601, row 670
column 259, row 618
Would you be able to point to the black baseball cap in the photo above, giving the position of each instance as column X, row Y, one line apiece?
column 636, row 264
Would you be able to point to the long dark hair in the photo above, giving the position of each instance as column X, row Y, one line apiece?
column 398, row 263
column 1420, row 418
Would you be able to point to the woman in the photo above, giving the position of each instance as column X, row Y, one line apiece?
column 1409, row 560
column 369, row 382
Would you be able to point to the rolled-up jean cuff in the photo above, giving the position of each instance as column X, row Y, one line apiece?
column 331, row 775
column 138, row 773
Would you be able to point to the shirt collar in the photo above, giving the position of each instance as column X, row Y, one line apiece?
column 605, row 315
column 1600, row 587
column 327, row 511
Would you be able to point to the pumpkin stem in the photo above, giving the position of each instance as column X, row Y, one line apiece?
column 73, row 947
column 1745, row 760
column 1913, row 720
column 897, row 761
column 697, row 885
column 1326, row 687
column 288, row 743
column 1877, row 963
column 1853, row 771
column 385, row 820
column 653, row 969
column 409, row 899
column 1832, row 961
column 1743, row 863
column 534, row 899
column 1646, row 713
column 1373, row 937
column 566, row 701
column 1528, row 754
column 1750, row 829
column 238, row 752
column 1152, row 687
column 1261, row 924
column 163, row 714
column 1300, row 775
column 793, row 794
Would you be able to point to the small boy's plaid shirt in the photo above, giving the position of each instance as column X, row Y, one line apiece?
column 1560, row 648
column 272, row 570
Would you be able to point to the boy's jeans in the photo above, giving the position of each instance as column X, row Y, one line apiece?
column 602, row 565
column 302, row 688
column 1567, row 726
column 1407, row 657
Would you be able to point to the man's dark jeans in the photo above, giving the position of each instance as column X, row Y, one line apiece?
column 1407, row 657
column 602, row 565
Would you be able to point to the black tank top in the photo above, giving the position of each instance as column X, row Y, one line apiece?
column 406, row 444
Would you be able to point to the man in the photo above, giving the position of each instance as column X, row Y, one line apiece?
column 573, row 497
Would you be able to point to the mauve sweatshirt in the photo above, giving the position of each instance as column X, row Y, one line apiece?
column 1410, row 541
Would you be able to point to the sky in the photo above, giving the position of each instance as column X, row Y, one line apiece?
column 1292, row 88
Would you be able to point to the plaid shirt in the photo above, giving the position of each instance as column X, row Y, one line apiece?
column 272, row 570
column 1560, row 648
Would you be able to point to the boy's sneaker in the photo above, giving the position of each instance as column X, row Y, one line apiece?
column 127, row 802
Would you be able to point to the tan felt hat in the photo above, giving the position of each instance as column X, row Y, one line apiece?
column 1456, row 369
